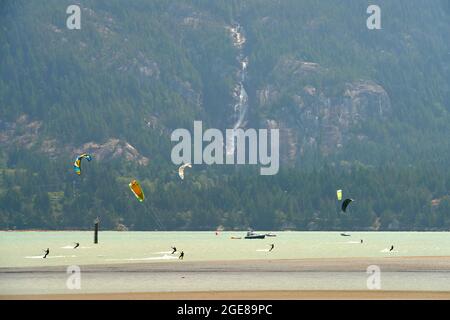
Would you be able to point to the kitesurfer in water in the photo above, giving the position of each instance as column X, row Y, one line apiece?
column 181, row 255
column 46, row 253
column 76, row 245
column 271, row 247
column 174, row 249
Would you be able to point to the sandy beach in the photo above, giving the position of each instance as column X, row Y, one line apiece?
column 275, row 268
column 246, row 295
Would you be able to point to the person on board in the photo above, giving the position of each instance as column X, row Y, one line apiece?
column 174, row 249
column 46, row 253
column 362, row 241
column 271, row 247
column 392, row 248
column 181, row 255
column 76, row 245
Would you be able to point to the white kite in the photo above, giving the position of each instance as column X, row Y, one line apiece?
column 181, row 169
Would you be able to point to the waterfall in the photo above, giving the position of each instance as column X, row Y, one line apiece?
column 240, row 95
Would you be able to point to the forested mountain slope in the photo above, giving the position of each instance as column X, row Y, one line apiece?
column 364, row 110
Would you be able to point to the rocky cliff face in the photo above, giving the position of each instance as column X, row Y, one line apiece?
column 26, row 133
column 113, row 149
column 309, row 116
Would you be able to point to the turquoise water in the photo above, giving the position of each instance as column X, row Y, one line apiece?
column 25, row 249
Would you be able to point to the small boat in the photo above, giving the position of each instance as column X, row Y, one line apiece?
column 252, row 235
column 345, row 235
column 271, row 234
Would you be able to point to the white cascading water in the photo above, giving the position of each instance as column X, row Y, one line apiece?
column 239, row 94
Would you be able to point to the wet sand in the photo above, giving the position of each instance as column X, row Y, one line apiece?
column 388, row 264
column 274, row 267
column 246, row 295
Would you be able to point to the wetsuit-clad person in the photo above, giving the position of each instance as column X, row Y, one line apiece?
column 174, row 249
column 46, row 253
column 392, row 248
column 76, row 245
column 271, row 247
column 362, row 241
column 181, row 255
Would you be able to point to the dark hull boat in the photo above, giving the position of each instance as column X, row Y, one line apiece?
column 251, row 235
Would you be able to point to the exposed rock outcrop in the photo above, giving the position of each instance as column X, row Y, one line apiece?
column 113, row 149
column 26, row 133
column 311, row 117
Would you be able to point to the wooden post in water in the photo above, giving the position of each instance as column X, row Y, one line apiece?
column 96, row 230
